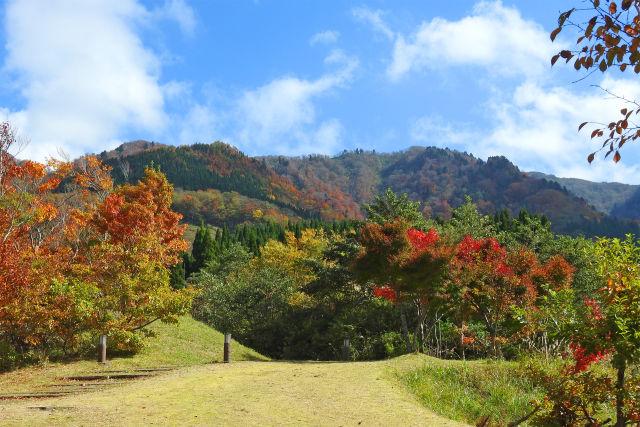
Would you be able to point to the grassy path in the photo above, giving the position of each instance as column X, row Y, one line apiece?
column 244, row 393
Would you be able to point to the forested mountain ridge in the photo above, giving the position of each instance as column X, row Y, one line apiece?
column 222, row 167
column 613, row 198
column 214, row 176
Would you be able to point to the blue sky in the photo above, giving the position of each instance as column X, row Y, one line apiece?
column 299, row 77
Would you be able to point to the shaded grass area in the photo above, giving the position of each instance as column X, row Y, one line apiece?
column 469, row 391
column 188, row 343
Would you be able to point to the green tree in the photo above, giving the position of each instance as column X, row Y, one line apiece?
column 616, row 323
column 531, row 231
column 243, row 298
column 204, row 249
column 467, row 220
column 389, row 207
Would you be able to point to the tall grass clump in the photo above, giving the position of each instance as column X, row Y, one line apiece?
column 471, row 391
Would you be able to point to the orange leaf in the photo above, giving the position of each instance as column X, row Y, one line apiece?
column 555, row 32
column 590, row 158
column 616, row 157
column 613, row 8
column 603, row 66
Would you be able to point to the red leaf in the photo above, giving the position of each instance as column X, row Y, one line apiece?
column 590, row 158
column 555, row 32
column 581, row 126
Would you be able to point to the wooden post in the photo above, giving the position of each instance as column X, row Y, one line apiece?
column 346, row 350
column 102, row 349
column 227, row 348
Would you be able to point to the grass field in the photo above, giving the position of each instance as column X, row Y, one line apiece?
column 249, row 391
column 241, row 393
column 186, row 344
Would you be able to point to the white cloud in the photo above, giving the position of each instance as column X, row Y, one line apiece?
column 84, row 73
column 176, row 90
column 494, row 36
column 434, row 130
column 179, row 11
column 325, row 37
column 532, row 120
column 537, row 128
column 281, row 115
column 202, row 123
column 373, row 18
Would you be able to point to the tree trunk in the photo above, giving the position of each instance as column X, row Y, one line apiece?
column 620, row 418
column 462, row 339
column 405, row 329
column 419, row 330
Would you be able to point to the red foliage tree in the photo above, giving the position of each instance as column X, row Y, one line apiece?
column 487, row 286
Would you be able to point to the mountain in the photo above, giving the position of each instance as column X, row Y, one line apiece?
column 219, row 183
column 130, row 148
column 613, row 198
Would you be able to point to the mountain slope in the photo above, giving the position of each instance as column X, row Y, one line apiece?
column 324, row 187
column 222, row 167
column 441, row 179
column 612, row 198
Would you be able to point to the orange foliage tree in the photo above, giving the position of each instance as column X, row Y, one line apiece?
column 78, row 257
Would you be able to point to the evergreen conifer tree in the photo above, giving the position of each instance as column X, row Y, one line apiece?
column 204, row 248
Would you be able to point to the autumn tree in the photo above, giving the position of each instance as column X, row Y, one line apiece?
column 42, row 235
column 605, row 331
column 140, row 238
column 608, row 37
column 78, row 257
column 408, row 265
column 614, row 321
column 486, row 286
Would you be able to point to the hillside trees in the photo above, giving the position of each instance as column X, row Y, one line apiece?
column 609, row 37
column 297, row 300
